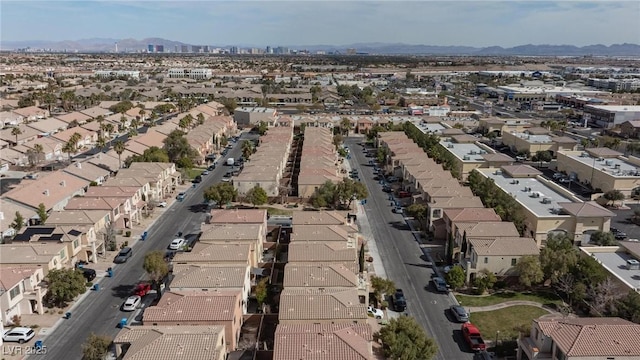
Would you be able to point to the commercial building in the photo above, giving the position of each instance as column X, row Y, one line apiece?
column 249, row 116
column 608, row 116
column 467, row 153
column 107, row 74
column 621, row 261
column 196, row 74
column 601, row 168
column 537, row 139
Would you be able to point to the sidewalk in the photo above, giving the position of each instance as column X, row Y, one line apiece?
column 506, row 304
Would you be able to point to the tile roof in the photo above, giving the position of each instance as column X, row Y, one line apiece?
column 172, row 342
column 30, row 253
column 318, row 251
column 504, row 246
column 180, row 306
column 8, row 211
column 521, row 170
column 323, row 342
column 603, row 152
column 209, row 276
column 488, row 228
column 499, row 157
column 93, row 203
column 320, row 232
column 586, row 209
column 238, row 216
column 319, row 275
column 594, row 337
column 226, row 232
column 49, row 189
column 472, row 214
column 321, row 304
column 215, row 253
column 87, row 171
column 319, row 218
column 10, row 276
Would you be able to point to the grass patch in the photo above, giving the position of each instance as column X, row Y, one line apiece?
column 275, row 211
column 539, row 297
column 192, row 173
column 509, row 321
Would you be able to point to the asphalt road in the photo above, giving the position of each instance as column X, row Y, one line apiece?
column 407, row 266
column 99, row 312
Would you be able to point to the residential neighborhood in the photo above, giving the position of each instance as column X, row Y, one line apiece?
column 267, row 208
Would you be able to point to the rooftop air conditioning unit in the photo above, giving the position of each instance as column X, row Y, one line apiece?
column 617, row 166
column 466, row 157
column 608, row 162
column 535, row 195
column 482, row 152
column 450, row 146
column 584, row 154
column 600, row 159
column 546, row 201
column 497, row 172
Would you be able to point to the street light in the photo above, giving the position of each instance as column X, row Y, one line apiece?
column 495, row 348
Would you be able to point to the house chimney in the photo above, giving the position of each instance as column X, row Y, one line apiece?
column 46, row 192
column 63, row 183
column 79, row 165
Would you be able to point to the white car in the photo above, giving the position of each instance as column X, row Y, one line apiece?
column 132, row 303
column 162, row 204
column 377, row 313
column 18, row 334
column 226, row 179
column 177, row 244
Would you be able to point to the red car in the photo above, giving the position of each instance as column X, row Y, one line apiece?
column 142, row 289
column 404, row 194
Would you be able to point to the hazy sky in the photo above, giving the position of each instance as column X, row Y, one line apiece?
column 304, row 22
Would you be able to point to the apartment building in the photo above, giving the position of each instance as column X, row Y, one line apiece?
column 337, row 341
column 195, row 74
column 319, row 161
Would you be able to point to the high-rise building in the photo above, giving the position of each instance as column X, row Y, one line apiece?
column 150, row 48
column 205, row 48
column 159, row 48
column 196, row 48
column 268, row 50
column 184, row 48
column 175, row 49
column 233, row 50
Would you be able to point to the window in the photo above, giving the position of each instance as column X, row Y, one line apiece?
column 437, row 213
column 14, row 292
column 513, row 262
column 63, row 253
column 75, row 243
column 486, row 260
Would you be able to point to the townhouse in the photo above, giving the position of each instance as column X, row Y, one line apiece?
column 319, row 161
column 8, row 211
column 252, row 234
column 171, row 342
column 239, row 216
column 47, row 255
column 74, row 117
column 164, row 177
column 496, row 254
column 53, row 190
column 129, row 199
column 327, row 218
column 89, row 172
column 333, row 341
column 32, row 113
column 321, row 306
column 267, row 164
column 213, row 279
column 323, row 252
column 580, row 339
column 87, row 138
column 51, row 150
column 21, row 291
column 89, row 225
column 324, row 233
column 548, row 207
column 444, row 228
column 189, row 308
column 206, row 253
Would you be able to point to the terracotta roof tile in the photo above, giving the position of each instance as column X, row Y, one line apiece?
column 586, row 209
column 321, row 304
column 506, row 246
column 318, row 251
column 209, row 277
column 319, row 275
column 215, row 253
column 323, row 342
column 175, row 306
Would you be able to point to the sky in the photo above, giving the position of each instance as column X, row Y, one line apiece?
column 327, row 22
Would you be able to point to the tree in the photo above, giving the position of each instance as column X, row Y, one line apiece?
column 404, row 339
column 15, row 132
column 558, row 257
column 156, row 267
column 381, row 286
column 456, row 277
column 221, row 193
column 349, row 190
column 18, row 222
column 247, row 149
column 200, row 119
column 530, row 271
column 121, row 107
column 345, row 126
column 613, row 195
column 38, row 151
column 257, row 196
column 262, row 291
column 485, row 280
column 603, row 238
column 628, row 307
column 338, row 139
column 64, row 285
column 96, row 347
column 230, row 104
column 177, row 147
column 361, row 259
column 418, row 211
column 542, row 156
column 69, row 148
column 118, row 147
column 152, row 154
column 42, row 213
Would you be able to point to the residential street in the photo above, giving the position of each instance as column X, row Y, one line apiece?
column 406, row 265
column 100, row 312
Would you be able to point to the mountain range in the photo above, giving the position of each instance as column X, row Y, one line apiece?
column 133, row 45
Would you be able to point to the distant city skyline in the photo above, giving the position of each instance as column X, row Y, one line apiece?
column 291, row 23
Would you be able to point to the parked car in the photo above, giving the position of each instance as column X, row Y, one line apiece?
column 162, row 204
column 180, row 196
column 376, row 313
column 132, row 303
column 620, row 235
column 404, row 194
column 211, row 167
column 88, row 274
column 558, row 175
column 459, row 313
column 18, row 334
column 197, row 179
column 473, row 337
column 123, row 255
column 393, row 179
column 399, row 302
column 226, row 179
column 387, row 189
column 177, row 244
column 142, row 289
column 205, row 173
column 440, row 285
column 398, row 210
column 565, row 180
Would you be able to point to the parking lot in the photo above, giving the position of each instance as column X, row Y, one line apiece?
column 622, row 221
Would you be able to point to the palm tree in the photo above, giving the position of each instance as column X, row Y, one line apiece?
column 345, row 126
column 135, row 124
column 15, row 132
column 119, row 149
column 142, row 114
column 69, row 148
column 188, row 120
column 123, row 122
column 74, row 139
column 200, row 119
column 182, row 124
column 101, row 143
column 39, row 150
column 247, row 149
column 132, row 132
column 152, row 119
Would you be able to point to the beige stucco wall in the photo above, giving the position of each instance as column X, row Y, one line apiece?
column 601, row 180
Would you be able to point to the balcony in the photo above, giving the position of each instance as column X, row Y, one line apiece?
column 531, row 349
